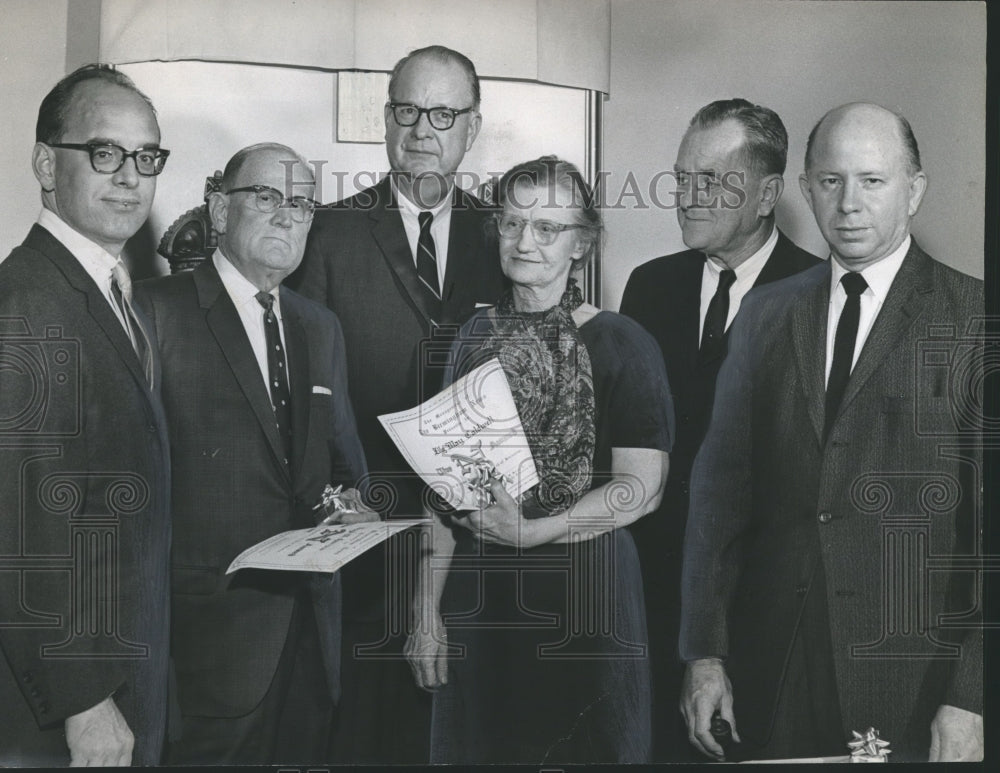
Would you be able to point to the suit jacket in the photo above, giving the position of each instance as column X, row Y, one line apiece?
column 84, row 494
column 232, row 489
column 885, row 507
column 358, row 263
column 664, row 296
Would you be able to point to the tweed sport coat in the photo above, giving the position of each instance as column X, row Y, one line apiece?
column 890, row 505
column 231, row 488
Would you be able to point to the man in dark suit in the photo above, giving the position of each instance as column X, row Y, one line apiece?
column 836, row 494
column 84, row 467
column 400, row 263
column 729, row 172
column 255, row 390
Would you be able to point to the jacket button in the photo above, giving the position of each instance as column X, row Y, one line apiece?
column 27, row 676
column 43, row 707
column 151, row 429
column 825, row 517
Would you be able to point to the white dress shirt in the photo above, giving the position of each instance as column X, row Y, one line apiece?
column 879, row 277
column 746, row 274
column 244, row 296
column 440, row 226
column 96, row 260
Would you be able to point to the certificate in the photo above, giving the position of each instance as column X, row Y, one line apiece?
column 465, row 436
column 320, row 549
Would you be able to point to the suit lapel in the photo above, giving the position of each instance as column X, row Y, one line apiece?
column 465, row 238
column 299, row 385
column 808, row 340
column 775, row 268
column 225, row 324
column 686, row 304
column 905, row 301
column 390, row 236
column 98, row 307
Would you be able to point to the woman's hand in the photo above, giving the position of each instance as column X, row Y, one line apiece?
column 426, row 651
column 501, row 522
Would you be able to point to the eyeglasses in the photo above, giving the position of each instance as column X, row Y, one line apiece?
column 106, row 158
column 441, row 118
column 544, row 231
column 267, row 200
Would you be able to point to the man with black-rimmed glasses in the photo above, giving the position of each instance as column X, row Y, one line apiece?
column 84, row 489
column 255, row 391
column 399, row 262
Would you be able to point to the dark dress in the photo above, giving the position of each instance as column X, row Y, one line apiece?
column 553, row 638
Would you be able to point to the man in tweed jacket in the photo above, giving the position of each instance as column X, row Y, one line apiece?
column 822, row 592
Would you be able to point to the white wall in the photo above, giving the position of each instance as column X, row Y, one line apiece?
column 923, row 59
column 669, row 57
column 209, row 110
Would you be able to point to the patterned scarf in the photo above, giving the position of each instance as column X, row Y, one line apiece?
column 549, row 371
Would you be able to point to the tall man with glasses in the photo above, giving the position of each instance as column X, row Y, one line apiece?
column 255, row 390
column 84, row 467
column 729, row 180
column 399, row 263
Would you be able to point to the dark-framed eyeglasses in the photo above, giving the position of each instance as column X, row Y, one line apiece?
column 544, row 231
column 107, row 158
column 267, row 200
column 442, row 118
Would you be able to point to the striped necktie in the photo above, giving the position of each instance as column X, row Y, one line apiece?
column 121, row 291
column 427, row 255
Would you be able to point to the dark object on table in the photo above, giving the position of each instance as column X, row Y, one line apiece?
column 723, row 735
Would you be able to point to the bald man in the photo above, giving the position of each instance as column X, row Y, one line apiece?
column 837, row 481
column 255, row 391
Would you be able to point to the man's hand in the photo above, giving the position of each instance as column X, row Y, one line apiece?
column 351, row 500
column 956, row 736
column 426, row 652
column 706, row 689
column 99, row 736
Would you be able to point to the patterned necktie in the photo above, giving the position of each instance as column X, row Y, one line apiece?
column 121, row 291
column 715, row 317
column 281, row 398
column 427, row 255
column 843, row 346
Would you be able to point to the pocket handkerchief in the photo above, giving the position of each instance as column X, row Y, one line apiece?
column 321, row 390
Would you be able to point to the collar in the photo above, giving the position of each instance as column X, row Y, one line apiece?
column 752, row 265
column 408, row 206
column 96, row 260
column 241, row 290
column 879, row 275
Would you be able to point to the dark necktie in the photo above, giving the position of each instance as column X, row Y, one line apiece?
column 427, row 255
column 843, row 346
column 715, row 317
column 121, row 291
column 277, row 378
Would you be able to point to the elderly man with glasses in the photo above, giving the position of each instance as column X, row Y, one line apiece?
column 400, row 263
column 84, row 515
column 255, row 391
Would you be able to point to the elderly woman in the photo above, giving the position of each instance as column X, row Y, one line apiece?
column 529, row 615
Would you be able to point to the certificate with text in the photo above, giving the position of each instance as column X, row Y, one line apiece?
column 320, row 549
column 465, row 436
